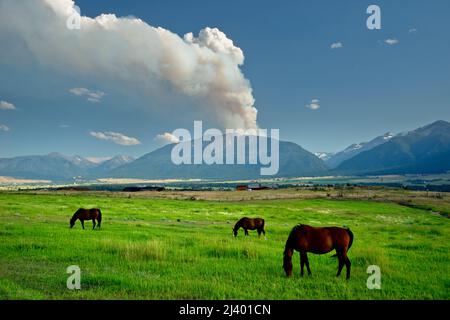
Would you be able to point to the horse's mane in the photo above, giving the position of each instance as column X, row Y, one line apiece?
column 296, row 228
column 73, row 217
column 290, row 240
column 76, row 213
column 239, row 222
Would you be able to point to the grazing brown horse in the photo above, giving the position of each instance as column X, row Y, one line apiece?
column 305, row 239
column 87, row 214
column 249, row 224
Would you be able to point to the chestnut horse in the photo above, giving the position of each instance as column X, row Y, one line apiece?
column 87, row 214
column 249, row 224
column 305, row 239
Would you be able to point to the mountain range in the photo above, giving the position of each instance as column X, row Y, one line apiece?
column 336, row 159
column 294, row 161
column 424, row 150
column 55, row 166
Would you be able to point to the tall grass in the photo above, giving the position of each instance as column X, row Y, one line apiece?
column 178, row 249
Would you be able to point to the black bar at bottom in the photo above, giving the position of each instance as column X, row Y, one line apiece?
column 223, row 309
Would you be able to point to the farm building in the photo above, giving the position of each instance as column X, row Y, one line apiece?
column 253, row 187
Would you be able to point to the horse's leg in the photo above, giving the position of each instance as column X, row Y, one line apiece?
column 341, row 259
column 302, row 261
column 246, row 232
column 348, row 266
column 82, row 223
column 259, row 233
column 93, row 224
column 307, row 263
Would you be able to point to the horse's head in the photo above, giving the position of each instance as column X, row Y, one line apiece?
column 72, row 221
column 75, row 217
column 287, row 262
column 235, row 231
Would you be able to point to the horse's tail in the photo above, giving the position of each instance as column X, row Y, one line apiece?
column 99, row 218
column 350, row 234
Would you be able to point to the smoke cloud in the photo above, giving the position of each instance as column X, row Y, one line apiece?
column 205, row 68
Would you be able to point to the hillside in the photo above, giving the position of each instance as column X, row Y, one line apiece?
column 425, row 150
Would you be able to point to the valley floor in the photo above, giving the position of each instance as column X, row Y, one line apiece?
column 179, row 245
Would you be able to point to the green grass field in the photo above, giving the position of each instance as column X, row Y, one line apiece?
column 181, row 249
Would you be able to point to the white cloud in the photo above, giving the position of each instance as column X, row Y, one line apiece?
column 166, row 138
column 314, row 104
column 134, row 55
column 4, row 127
column 4, row 105
column 98, row 160
column 391, row 42
column 115, row 137
column 91, row 96
column 63, row 126
column 336, row 45
column 412, row 30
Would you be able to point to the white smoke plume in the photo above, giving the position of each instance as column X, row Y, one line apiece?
column 205, row 68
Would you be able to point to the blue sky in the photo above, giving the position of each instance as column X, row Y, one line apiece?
column 365, row 88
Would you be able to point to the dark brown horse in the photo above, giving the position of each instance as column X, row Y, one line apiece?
column 305, row 239
column 87, row 214
column 249, row 224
